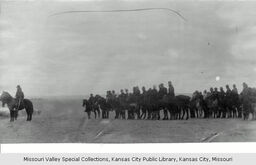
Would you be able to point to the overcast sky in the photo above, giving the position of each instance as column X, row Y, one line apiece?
column 80, row 53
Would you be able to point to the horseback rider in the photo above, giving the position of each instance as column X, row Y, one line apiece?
column 108, row 96
column 210, row 94
column 122, row 102
column 91, row 99
column 153, row 95
column 113, row 94
column 221, row 94
column 19, row 96
column 122, row 97
column 245, row 92
column 246, row 98
column 228, row 90
column 195, row 95
column 144, row 90
column 162, row 91
column 216, row 93
column 234, row 94
column 234, row 90
column 171, row 89
column 144, row 95
column 205, row 94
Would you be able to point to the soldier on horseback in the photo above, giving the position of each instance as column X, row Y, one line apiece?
column 234, row 90
column 162, row 91
column 215, row 93
column 144, row 102
column 228, row 91
column 19, row 97
column 246, row 100
column 122, row 101
column 236, row 102
column 171, row 89
column 91, row 99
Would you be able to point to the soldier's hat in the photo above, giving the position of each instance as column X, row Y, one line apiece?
column 18, row 86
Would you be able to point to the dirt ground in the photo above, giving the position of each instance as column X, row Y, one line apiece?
column 63, row 121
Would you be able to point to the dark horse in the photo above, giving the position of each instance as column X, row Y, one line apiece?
column 13, row 106
column 89, row 107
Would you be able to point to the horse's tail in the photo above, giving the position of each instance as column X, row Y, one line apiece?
column 29, row 105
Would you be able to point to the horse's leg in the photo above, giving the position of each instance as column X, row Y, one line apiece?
column 236, row 112
column 239, row 112
column 133, row 113
column 170, row 112
column 192, row 113
column 15, row 115
column 11, row 116
column 138, row 113
column 144, row 113
column 158, row 115
column 149, row 114
column 95, row 113
column 89, row 114
column 187, row 109
column 30, row 116
column 183, row 113
column 165, row 114
column 123, row 113
column 103, row 114
column 116, row 116
column 201, row 112
column 229, row 112
column 98, row 113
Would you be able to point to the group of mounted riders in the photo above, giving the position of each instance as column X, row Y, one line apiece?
column 148, row 104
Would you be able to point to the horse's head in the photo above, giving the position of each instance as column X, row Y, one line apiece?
column 5, row 98
column 84, row 102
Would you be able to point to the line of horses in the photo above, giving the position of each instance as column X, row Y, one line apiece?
column 172, row 108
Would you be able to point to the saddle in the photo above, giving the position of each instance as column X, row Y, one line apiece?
column 19, row 104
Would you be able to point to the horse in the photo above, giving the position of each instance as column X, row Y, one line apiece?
column 213, row 106
column 88, row 107
column 183, row 103
column 177, row 106
column 14, row 107
column 248, row 106
column 104, row 106
column 196, row 106
column 133, row 107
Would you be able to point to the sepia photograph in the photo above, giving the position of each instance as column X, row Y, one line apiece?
column 127, row 71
